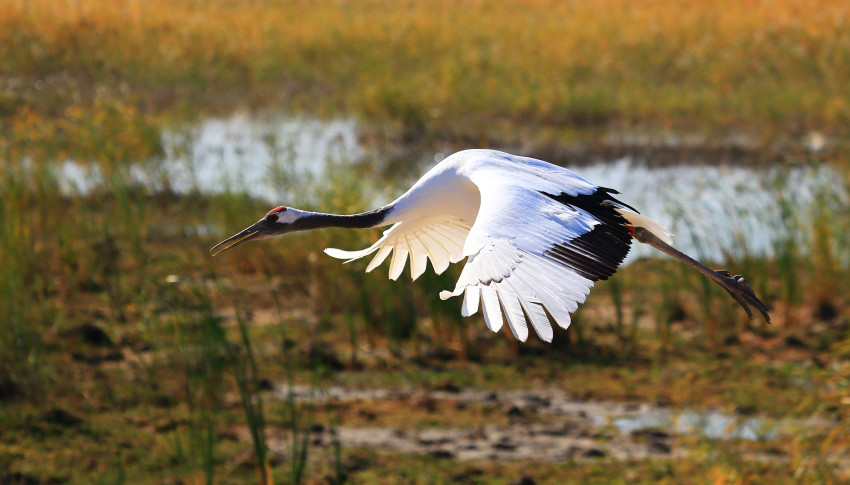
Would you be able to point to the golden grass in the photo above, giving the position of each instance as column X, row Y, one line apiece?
column 443, row 64
column 92, row 79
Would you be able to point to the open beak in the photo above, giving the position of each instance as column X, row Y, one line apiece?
column 254, row 232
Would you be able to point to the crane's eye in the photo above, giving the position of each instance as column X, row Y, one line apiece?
column 271, row 218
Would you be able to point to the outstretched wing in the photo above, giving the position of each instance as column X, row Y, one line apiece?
column 532, row 251
column 541, row 237
column 439, row 238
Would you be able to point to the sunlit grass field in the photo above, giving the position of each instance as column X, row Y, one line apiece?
column 771, row 70
column 127, row 355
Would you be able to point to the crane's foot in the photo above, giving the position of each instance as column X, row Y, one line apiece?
column 743, row 293
column 737, row 288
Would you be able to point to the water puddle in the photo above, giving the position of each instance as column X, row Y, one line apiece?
column 625, row 418
column 498, row 443
column 566, row 429
column 718, row 211
column 715, row 211
column 712, row 424
column 264, row 158
column 257, row 157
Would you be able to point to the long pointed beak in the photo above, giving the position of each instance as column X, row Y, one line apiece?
column 246, row 235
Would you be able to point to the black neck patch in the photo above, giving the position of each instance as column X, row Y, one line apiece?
column 364, row 220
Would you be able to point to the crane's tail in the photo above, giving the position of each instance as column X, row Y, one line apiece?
column 647, row 223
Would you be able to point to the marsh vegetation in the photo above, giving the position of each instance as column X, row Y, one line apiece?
column 134, row 135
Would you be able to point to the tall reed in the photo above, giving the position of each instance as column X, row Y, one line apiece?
column 248, row 382
column 202, row 347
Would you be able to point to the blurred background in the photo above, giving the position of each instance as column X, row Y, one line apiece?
column 136, row 134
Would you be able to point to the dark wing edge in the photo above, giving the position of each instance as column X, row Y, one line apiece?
column 596, row 254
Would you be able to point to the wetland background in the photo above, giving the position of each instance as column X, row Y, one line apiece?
column 136, row 134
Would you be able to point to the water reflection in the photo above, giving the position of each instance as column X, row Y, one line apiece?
column 715, row 211
column 265, row 158
column 713, row 425
column 718, row 211
column 258, row 157
column 625, row 418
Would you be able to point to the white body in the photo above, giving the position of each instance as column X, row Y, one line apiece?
column 492, row 207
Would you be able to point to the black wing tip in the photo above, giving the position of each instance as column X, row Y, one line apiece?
column 599, row 203
column 596, row 254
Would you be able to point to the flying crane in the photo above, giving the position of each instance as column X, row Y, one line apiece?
column 536, row 237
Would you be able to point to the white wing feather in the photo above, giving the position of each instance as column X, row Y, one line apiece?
column 439, row 238
column 517, row 223
column 506, row 246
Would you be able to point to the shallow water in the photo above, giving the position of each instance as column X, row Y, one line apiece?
column 543, row 424
column 710, row 424
column 625, row 418
column 715, row 211
column 264, row 158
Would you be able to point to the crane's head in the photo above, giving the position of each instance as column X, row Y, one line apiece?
column 277, row 221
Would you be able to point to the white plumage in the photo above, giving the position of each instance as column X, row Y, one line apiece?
column 536, row 236
column 504, row 223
